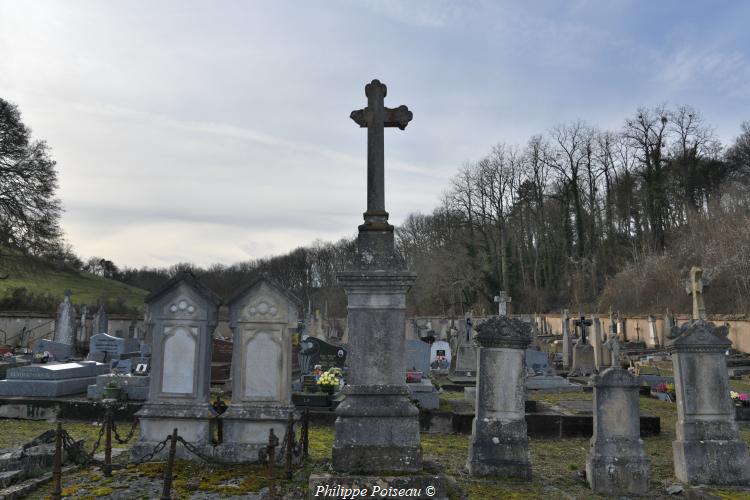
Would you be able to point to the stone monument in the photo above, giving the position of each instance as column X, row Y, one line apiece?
column 65, row 322
column 262, row 317
column 708, row 448
column 567, row 342
column 617, row 463
column 377, row 427
column 498, row 444
column 101, row 321
column 184, row 313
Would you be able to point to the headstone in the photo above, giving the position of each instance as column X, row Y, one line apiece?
column 101, row 321
column 111, row 346
column 65, row 322
column 122, row 366
column 499, row 445
column 583, row 360
column 653, row 336
column 59, row 351
column 708, row 448
column 417, row 356
column 612, row 346
column 617, row 463
column 83, row 332
column 370, row 441
column 567, row 341
column 314, row 351
column 537, row 363
column 596, row 342
column 184, row 313
column 440, row 357
column 425, row 394
column 262, row 317
column 621, row 330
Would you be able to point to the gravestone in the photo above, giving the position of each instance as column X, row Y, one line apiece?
column 596, row 342
column 314, row 351
column 101, row 321
column 708, row 448
column 51, row 379
column 111, row 347
column 65, row 322
column 440, row 357
column 567, row 341
column 387, row 439
column 499, row 446
column 417, row 356
column 262, row 317
column 617, row 463
column 537, row 363
column 652, row 335
column 184, row 313
column 58, row 350
column 583, row 360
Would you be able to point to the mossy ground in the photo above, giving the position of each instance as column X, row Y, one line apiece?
column 557, row 464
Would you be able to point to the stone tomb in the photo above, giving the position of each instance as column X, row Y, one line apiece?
column 111, row 347
column 51, row 379
column 58, row 350
column 708, row 448
column 617, row 463
column 183, row 313
column 262, row 317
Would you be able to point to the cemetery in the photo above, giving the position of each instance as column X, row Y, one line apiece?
column 570, row 321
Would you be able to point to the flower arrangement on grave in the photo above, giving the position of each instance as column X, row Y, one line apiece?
column 664, row 391
column 739, row 398
column 328, row 381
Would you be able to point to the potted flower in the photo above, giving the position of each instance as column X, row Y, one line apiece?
column 112, row 390
column 664, row 391
column 741, row 405
column 328, row 382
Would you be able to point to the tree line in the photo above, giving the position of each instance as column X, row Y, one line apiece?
column 575, row 217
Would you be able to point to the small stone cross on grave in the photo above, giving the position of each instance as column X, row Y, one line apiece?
column 502, row 300
column 583, row 324
column 695, row 288
column 375, row 117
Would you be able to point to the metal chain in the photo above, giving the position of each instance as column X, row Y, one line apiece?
column 76, row 453
column 131, row 432
column 157, row 448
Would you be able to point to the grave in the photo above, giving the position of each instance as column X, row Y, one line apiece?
column 65, row 323
column 184, row 313
column 567, row 341
column 262, row 318
column 58, row 350
column 417, row 356
column 51, row 379
column 100, row 323
column 617, row 463
column 314, row 351
column 440, row 357
column 499, row 444
column 106, row 348
column 465, row 372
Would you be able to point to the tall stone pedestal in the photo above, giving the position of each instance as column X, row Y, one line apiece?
column 377, row 427
column 498, row 445
column 261, row 316
column 184, row 314
column 708, row 448
column 617, row 463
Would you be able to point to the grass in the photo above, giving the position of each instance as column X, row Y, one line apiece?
column 87, row 288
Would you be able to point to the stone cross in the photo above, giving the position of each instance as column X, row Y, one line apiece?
column 695, row 288
column 613, row 344
column 582, row 323
column 375, row 117
column 502, row 300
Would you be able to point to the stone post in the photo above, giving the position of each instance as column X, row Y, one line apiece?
column 498, row 444
column 617, row 463
column 596, row 342
column 567, row 347
column 708, row 448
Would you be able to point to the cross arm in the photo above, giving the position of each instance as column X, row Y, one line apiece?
column 393, row 117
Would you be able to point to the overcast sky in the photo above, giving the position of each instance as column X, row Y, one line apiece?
column 219, row 131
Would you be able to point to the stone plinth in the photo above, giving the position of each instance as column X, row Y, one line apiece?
column 617, row 463
column 262, row 316
column 708, row 448
column 583, row 360
column 377, row 427
column 498, row 444
column 425, row 394
column 134, row 386
column 184, row 314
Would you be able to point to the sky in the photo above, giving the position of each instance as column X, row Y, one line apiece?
column 216, row 132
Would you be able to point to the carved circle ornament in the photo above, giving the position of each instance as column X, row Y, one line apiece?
column 182, row 306
column 263, row 310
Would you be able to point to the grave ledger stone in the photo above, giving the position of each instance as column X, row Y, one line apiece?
column 377, row 427
column 262, row 317
column 184, row 313
column 617, row 463
column 498, row 444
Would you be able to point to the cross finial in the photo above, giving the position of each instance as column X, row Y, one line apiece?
column 375, row 117
column 695, row 288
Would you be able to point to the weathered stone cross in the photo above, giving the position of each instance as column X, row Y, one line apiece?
column 375, row 117
column 502, row 299
column 695, row 288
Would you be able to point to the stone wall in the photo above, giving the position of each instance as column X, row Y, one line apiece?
column 40, row 325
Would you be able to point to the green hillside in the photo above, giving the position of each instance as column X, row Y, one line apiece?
column 43, row 279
